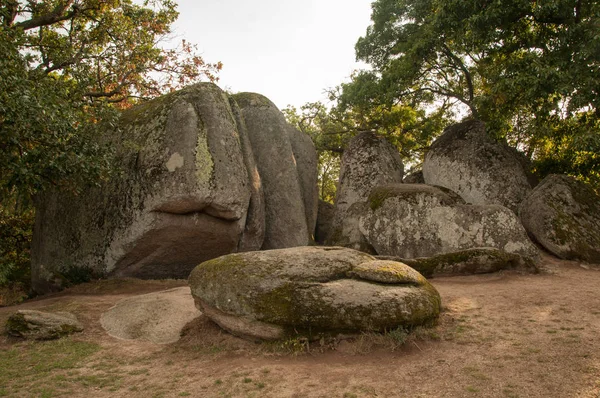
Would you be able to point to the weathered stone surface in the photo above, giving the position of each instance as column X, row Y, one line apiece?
column 563, row 215
column 368, row 161
column 38, row 325
column 480, row 260
column 414, row 220
column 305, row 155
column 311, row 290
column 324, row 221
column 268, row 132
column 155, row 317
column 415, row 177
column 182, row 197
column 481, row 170
column 254, row 231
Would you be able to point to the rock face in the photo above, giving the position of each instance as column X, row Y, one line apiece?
column 367, row 162
column 563, row 215
column 285, row 213
column 310, row 290
column 155, row 317
column 415, row 177
column 306, row 159
column 190, row 189
column 415, row 220
column 466, row 262
column 482, row 171
column 324, row 220
column 38, row 325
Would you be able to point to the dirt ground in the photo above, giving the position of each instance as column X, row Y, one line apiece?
column 500, row 335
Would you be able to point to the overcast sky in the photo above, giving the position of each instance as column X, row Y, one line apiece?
column 287, row 50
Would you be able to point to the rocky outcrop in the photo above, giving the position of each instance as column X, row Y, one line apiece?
column 194, row 171
column 481, row 170
column 324, row 220
column 311, row 290
column 415, row 220
column 285, row 214
column 563, row 215
column 481, row 260
column 38, row 325
column 368, row 161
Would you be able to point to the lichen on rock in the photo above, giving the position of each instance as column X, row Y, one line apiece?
column 311, row 290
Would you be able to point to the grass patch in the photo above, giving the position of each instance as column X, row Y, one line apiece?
column 47, row 369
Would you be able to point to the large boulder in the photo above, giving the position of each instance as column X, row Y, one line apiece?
column 269, row 134
column 311, row 290
column 483, row 171
column 189, row 188
column 563, row 215
column 368, row 161
column 38, row 325
column 416, row 220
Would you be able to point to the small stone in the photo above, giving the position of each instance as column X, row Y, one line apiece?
column 38, row 325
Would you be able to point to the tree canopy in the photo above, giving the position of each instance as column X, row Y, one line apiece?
column 68, row 64
column 528, row 69
column 66, row 68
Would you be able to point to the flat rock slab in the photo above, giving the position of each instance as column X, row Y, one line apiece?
column 154, row 317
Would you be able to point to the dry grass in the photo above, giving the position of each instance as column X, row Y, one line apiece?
column 501, row 335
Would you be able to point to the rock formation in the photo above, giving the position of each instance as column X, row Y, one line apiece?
column 200, row 177
column 416, row 220
column 481, row 170
column 311, row 290
column 563, row 215
column 367, row 162
column 285, row 214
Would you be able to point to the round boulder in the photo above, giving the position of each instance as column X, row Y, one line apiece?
column 368, row 161
column 563, row 215
column 483, row 171
column 311, row 290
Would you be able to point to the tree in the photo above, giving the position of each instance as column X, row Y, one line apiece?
column 406, row 127
column 528, row 69
column 66, row 68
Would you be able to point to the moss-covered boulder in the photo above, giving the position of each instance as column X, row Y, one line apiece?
column 481, row 260
column 38, row 325
column 311, row 290
column 482, row 170
column 416, row 220
column 563, row 215
column 368, row 161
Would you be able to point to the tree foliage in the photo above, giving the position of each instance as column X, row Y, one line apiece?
column 66, row 68
column 529, row 69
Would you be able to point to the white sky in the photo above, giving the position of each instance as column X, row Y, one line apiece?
column 287, row 50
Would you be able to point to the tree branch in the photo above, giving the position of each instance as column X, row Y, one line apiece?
column 56, row 15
